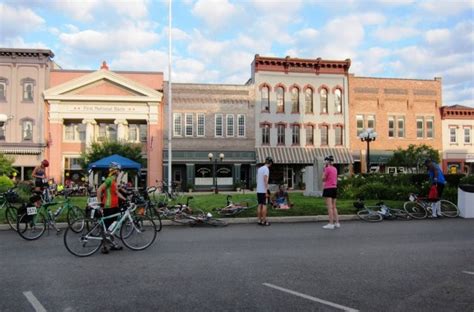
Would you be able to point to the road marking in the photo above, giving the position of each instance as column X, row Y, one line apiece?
column 289, row 291
column 34, row 302
column 467, row 272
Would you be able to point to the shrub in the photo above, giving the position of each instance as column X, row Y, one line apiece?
column 467, row 180
column 454, row 179
column 451, row 193
column 5, row 183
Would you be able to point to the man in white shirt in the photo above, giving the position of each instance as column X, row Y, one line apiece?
column 263, row 174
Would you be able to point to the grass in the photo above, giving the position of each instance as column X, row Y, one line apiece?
column 303, row 205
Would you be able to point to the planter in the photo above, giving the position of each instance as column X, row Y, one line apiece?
column 466, row 200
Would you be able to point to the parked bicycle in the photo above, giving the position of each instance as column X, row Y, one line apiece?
column 137, row 232
column 379, row 212
column 164, row 193
column 33, row 221
column 231, row 208
column 420, row 207
column 7, row 202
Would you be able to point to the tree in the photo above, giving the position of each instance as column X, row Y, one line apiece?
column 413, row 157
column 104, row 149
column 6, row 163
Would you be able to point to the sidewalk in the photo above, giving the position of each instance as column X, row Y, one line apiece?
column 294, row 219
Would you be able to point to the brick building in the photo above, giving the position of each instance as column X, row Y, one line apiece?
column 401, row 111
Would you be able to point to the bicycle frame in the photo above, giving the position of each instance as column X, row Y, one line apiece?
column 126, row 215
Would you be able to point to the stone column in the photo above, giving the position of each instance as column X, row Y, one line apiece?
column 121, row 129
column 90, row 123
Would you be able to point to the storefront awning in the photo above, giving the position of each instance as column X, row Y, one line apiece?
column 380, row 157
column 20, row 151
column 303, row 155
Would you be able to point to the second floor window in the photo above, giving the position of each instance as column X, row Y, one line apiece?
column 324, row 101
column 201, row 124
column 339, row 135
column 324, row 135
column 420, row 129
column 295, row 100
column 281, row 134
column 3, row 88
column 2, row 133
column 107, row 131
column 308, row 101
column 338, row 101
column 74, row 131
column 28, row 89
column 189, row 125
column 467, row 135
column 219, row 125
column 310, row 135
column 230, row 125
column 396, row 126
column 429, row 127
column 280, row 93
column 266, row 135
column 27, row 130
column 452, row 135
column 265, row 99
column 241, row 125
column 177, row 125
column 360, row 124
column 295, row 138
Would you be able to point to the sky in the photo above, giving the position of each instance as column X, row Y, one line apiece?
column 215, row 41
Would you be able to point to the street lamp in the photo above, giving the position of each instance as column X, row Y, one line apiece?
column 368, row 136
column 214, row 171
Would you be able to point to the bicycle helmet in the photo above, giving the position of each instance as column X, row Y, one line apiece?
column 329, row 158
column 114, row 168
column 45, row 163
column 269, row 160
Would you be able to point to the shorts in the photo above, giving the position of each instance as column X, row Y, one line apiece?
column 330, row 192
column 39, row 182
column 262, row 198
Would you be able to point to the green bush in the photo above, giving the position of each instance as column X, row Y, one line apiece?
column 5, row 183
column 467, row 180
column 451, row 194
column 454, row 179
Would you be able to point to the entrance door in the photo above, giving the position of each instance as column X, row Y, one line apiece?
column 288, row 176
column 178, row 177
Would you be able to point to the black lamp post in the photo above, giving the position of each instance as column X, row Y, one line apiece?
column 214, row 171
column 368, row 136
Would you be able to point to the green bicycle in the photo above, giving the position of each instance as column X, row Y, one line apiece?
column 32, row 223
column 7, row 201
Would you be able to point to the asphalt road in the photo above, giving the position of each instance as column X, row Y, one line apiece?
column 389, row 266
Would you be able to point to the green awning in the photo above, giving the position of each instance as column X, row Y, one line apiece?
column 380, row 157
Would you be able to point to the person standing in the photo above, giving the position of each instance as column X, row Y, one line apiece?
column 39, row 175
column 436, row 178
column 108, row 196
column 263, row 175
column 330, row 193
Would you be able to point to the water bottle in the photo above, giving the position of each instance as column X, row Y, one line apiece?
column 50, row 214
column 58, row 212
column 111, row 227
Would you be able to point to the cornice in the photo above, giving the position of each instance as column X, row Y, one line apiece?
column 288, row 64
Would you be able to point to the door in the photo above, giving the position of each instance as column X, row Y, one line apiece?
column 288, row 177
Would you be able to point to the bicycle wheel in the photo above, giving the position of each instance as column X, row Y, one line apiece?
column 415, row 210
column 31, row 227
column 74, row 213
column 400, row 214
column 85, row 242
column 448, row 209
column 215, row 222
column 182, row 218
column 11, row 215
column 369, row 215
column 138, row 233
column 152, row 212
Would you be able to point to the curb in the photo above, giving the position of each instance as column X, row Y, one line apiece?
column 293, row 219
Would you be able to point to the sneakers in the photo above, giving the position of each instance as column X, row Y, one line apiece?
column 329, row 226
column 337, row 225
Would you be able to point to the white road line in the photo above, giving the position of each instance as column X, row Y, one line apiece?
column 34, row 302
column 334, row 305
column 467, row 272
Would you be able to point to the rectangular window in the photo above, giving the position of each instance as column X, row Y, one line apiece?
column 452, row 135
column 143, row 132
column 467, row 135
column 324, row 135
column 241, row 125
column 189, row 125
column 266, row 135
column 295, row 138
column 201, row 125
column 230, row 125
column 391, row 127
column 429, row 127
column 310, row 135
column 74, row 131
column 420, row 131
column 360, row 124
column 219, row 130
column 371, row 122
column 27, row 130
column 2, row 133
column 3, row 89
column 28, row 88
column 281, row 135
column 338, row 135
column 133, row 132
column 177, row 125
column 401, row 127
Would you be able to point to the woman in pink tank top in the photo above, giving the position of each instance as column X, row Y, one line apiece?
column 330, row 193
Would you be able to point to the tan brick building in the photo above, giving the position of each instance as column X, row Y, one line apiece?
column 401, row 111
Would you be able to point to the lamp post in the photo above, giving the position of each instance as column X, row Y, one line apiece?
column 214, row 171
column 368, row 136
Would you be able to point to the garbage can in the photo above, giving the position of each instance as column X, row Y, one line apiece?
column 466, row 200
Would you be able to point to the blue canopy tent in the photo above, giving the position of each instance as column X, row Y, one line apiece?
column 124, row 162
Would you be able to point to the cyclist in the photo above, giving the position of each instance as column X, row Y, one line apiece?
column 108, row 196
column 436, row 178
column 39, row 175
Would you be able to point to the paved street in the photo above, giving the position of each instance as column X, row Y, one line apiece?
column 389, row 266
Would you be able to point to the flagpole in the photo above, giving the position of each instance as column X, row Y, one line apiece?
column 170, row 104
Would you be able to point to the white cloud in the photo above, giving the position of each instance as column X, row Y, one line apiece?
column 307, row 34
column 437, row 36
column 216, row 14
column 130, row 8
column 150, row 60
column 19, row 43
column 15, row 21
column 447, row 8
column 395, row 33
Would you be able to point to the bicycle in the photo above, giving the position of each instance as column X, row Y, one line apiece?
column 379, row 212
column 32, row 223
column 137, row 232
column 232, row 208
column 184, row 214
column 9, row 198
column 145, row 205
column 164, row 193
column 419, row 207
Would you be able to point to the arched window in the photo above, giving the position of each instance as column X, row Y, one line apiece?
column 308, row 101
column 28, row 89
column 323, row 95
column 295, row 100
column 265, row 134
column 27, row 130
column 295, row 131
column 280, row 92
column 338, row 101
column 265, row 99
column 281, row 134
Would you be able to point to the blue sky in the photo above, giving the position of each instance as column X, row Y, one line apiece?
column 214, row 41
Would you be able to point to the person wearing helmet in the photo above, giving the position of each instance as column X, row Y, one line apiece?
column 108, row 196
column 436, row 178
column 263, row 174
column 330, row 193
column 39, row 175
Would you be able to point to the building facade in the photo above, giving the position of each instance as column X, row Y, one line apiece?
column 458, row 147
column 24, row 75
column 401, row 111
column 210, row 118
column 89, row 106
column 301, row 112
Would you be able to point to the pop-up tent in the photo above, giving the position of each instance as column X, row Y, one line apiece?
column 104, row 163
